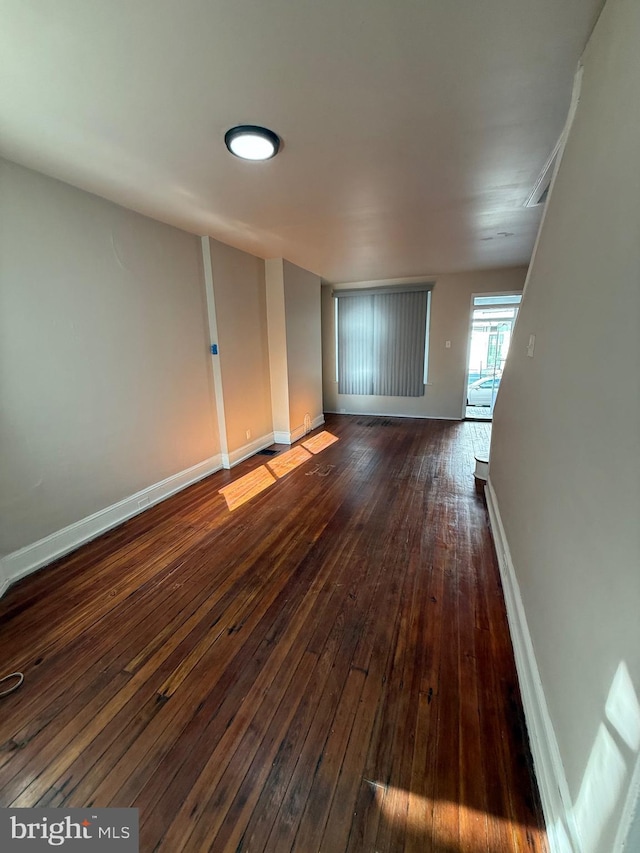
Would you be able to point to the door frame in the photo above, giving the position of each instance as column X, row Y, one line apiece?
column 472, row 307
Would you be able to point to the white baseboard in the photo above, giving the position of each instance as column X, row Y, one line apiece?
column 300, row 431
column 33, row 557
column 247, row 450
column 390, row 415
column 282, row 437
column 554, row 790
column 4, row 583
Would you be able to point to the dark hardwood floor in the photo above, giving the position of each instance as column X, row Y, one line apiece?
column 326, row 668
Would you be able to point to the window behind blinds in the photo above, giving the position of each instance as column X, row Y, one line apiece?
column 382, row 338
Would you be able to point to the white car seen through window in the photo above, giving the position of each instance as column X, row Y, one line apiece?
column 481, row 392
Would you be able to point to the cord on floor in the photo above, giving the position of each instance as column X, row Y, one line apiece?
column 15, row 686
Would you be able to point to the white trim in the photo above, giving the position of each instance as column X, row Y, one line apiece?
column 4, row 582
column 468, row 356
column 341, row 292
column 427, row 333
column 32, row 557
column 301, row 431
column 385, row 282
column 392, row 415
column 630, row 813
column 474, row 295
column 234, row 457
column 552, row 782
column 213, row 337
column 544, row 179
column 297, row 433
column 282, row 437
column 564, row 137
column 335, row 335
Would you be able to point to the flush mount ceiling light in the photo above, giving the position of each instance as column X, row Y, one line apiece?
column 250, row 142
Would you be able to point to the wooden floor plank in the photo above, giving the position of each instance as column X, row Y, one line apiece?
column 326, row 668
column 471, row 755
column 246, row 734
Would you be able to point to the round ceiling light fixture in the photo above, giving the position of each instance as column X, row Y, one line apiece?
column 250, row 142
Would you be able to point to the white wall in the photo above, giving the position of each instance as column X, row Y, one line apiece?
column 565, row 457
column 304, row 345
column 107, row 386
column 241, row 312
column 450, row 321
column 105, row 381
column 295, row 348
column 277, row 322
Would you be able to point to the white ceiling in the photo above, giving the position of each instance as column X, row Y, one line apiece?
column 413, row 130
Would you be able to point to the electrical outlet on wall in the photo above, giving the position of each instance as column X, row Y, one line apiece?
column 248, row 433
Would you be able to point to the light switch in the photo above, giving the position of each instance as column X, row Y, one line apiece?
column 447, row 344
column 531, row 346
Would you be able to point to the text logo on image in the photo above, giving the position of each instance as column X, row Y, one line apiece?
column 86, row 830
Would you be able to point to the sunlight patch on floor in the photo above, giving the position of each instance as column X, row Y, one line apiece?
column 320, row 442
column 452, row 825
column 247, row 487
column 288, row 461
column 242, row 490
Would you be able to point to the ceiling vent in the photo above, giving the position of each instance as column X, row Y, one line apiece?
column 540, row 191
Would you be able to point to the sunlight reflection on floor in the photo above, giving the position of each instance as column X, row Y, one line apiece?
column 441, row 825
column 320, row 442
column 243, row 489
column 247, row 487
column 288, row 461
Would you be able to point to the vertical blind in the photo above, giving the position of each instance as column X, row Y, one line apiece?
column 381, row 342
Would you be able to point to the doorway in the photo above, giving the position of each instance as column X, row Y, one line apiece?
column 492, row 322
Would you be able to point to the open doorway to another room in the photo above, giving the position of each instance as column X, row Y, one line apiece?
column 492, row 322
